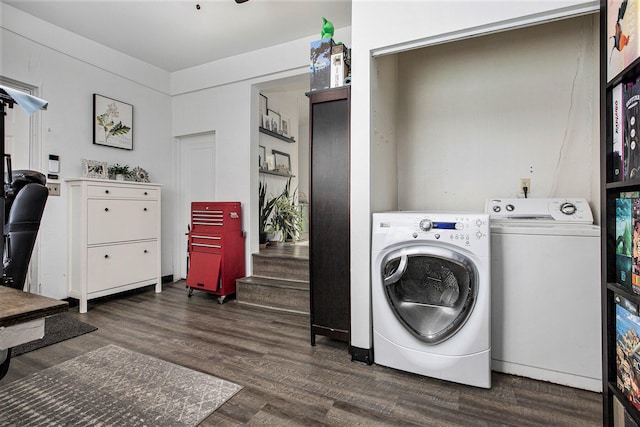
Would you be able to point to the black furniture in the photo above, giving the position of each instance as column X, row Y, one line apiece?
column 329, row 242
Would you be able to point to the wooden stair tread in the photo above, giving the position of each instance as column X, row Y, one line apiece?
column 281, row 283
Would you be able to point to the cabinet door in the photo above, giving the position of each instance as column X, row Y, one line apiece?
column 121, row 220
column 329, row 215
column 111, row 266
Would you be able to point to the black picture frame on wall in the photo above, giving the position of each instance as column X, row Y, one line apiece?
column 112, row 122
column 282, row 161
column 264, row 107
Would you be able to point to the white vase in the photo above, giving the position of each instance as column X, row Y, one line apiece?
column 119, row 177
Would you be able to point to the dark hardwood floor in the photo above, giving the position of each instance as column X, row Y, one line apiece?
column 288, row 382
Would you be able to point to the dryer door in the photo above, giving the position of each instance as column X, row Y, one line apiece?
column 431, row 290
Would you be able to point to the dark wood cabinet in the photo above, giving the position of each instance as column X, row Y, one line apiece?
column 329, row 118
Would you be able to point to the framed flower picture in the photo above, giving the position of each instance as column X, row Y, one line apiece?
column 112, row 122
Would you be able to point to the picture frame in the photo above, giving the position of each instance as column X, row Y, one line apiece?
column 266, row 122
column 264, row 106
column 262, row 157
column 112, row 122
column 275, row 121
column 285, row 125
column 94, row 169
column 282, row 161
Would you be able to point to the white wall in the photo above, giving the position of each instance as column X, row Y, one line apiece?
column 477, row 115
column 68, row 70
column 380, row 27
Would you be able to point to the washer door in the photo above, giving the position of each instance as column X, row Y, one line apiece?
column 431, row 290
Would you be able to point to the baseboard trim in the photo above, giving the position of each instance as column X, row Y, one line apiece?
column 363, row 355
column 167, row 279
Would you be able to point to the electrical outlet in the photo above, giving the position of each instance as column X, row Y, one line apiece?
column 54, row 188
column 525, row 182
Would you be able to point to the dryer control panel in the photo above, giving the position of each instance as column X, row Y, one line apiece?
column 470, row 231
column 557, row 210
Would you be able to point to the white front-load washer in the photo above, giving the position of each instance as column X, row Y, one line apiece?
column 545, row 270
column 431, row 295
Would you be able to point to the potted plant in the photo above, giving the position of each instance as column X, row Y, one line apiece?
column 266, row 208
column 286, row 217
column 119, row 172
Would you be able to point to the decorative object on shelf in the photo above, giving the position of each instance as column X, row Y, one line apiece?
column 327, row 29
column 112, row 123
column 285, row 125
column 139, row 175
column 271, row 162
column 275, row 122
column 266, row 122
column 282, row 161
column 119, row 172
column 262, row 157
column 94, row 169
column 264, row 106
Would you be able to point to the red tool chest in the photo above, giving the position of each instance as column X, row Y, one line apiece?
column 216, row 248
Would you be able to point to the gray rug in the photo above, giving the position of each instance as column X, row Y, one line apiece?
column 60, row 327
column 112, row 386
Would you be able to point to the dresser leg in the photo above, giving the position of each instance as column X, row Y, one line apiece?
column 83, row 305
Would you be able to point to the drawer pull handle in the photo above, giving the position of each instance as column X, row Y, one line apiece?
column 145, row 193
column 145, row 209
column 146, row 251
column 106, row 209
column 106, row 256
column 106, row 191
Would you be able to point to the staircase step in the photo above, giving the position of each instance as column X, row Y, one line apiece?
column 277, row 294
column 281, row 266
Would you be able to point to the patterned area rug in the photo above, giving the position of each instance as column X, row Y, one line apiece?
column 60, row 327
column 112, row 386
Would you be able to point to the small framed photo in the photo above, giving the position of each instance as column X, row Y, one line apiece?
column 264, row 106
column 285, row 125
column 266, row 122
column 94, row 169
column 275, row 121
column 262, row 157
column 282, row 161
column 112, row 122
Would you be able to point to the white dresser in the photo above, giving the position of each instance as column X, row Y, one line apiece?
column 114, row 237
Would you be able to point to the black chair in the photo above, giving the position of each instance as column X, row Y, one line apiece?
column 25, row 198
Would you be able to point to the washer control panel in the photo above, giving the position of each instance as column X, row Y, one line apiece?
column 569, row 210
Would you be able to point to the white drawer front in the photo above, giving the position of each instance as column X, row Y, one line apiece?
column 125, row 192
column 117, row 265
column 121, row 220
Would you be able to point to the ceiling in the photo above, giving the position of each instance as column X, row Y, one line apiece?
column 175, row 34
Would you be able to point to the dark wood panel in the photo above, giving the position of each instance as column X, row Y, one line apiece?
column 329, row 214
column 288, row 382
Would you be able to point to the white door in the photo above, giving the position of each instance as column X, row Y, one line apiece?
column 196, row 183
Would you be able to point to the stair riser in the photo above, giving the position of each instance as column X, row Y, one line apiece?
column 281, row 268
column 273, row 297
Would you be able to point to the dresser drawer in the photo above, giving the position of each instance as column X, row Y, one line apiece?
column 111, row 266
column 121, row 220
column 123, row 192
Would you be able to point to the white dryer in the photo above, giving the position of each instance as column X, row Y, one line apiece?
column 431, row 295
column 545, row 269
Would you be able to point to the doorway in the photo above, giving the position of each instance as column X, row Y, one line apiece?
column 22, row 144
column 196, row 183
